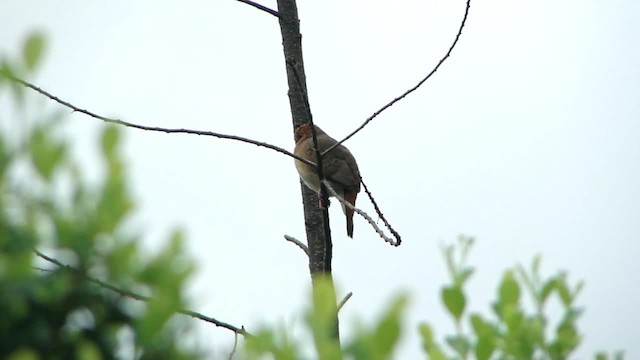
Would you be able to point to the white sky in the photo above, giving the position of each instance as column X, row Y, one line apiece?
column 527, row 138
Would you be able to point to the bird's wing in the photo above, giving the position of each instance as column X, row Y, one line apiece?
column 340, row 167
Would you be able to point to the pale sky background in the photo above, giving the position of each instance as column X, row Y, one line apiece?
column 528, row 138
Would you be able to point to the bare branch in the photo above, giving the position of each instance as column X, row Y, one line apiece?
column 297, row 242
column 344, row 300
column 364, row 215
column 152, row 128
column 260, row 7
column 139, row 297
column 388, row 105
column 235, row 346
column 381, row 215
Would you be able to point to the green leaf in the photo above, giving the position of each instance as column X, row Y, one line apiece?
column 46, row 152
column 24, row 354
column 322, row 316
column 32, row 50
column 480, row 326
column 485, row 347
column 563, row 291
column 464, row 275
column 547, row 289
column 6, row 156
column 454, row 300
column 459, row 344
column 388, row 329
column 110, row 140
column 509, row 292
column 89, row 351
column 432, row 349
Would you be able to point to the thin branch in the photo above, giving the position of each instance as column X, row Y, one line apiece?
column 235, row 346
column 152, row 128
column 344, row 300
column 297, row 242
column 364, row 215
column 260, row 7
column 388, row 105
column 139, row 297
column 381, row 215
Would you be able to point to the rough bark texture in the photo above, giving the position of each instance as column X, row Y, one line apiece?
column 320, row 249
column 316, row 221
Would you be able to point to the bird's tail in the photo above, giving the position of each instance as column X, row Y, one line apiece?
column 351, row 198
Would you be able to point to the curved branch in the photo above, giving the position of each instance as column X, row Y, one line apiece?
column 260, row 7
column 153, row 128
column 366, row 216
column 414, row 88
column 132, row 295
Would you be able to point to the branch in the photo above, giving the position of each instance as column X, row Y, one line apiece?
column 379, row 212
column 151, row 128
column 139, row 297
column 260, row 7
column 344, row 300
column 235, row 346
column 297, row 242
column 388, row 105
column 324, row 198
column 392, row 242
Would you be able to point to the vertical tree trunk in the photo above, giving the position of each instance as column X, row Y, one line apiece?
column 316, row 221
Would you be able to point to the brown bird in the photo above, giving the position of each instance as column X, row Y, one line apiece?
column 339, row 167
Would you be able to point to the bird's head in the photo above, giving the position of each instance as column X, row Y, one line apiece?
column 303, row 132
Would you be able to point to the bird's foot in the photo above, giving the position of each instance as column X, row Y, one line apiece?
column 321, row 203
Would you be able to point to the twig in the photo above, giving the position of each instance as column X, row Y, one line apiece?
column 152, row 128
column 344, row 300
column 364, row 215
column 235, row 346
column 139, row 297
column 297, row 242
column 388, row 105
column 379, row 212
column 260, row 7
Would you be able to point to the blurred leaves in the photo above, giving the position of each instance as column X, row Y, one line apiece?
column 32, row 50
column 513, row 332
column 49, row 311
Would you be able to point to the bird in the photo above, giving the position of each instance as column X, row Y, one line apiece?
column 339, row 167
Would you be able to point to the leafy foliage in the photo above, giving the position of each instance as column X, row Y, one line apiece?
column 55, row 311
column 512, row 332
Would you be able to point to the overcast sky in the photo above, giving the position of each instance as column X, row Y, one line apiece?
column 527, row 138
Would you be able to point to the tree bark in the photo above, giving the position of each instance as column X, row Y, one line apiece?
column 316, row 219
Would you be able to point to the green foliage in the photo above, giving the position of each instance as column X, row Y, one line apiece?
column 513, row 332
column 56, row 311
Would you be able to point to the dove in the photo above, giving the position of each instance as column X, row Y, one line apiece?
column 339, row 167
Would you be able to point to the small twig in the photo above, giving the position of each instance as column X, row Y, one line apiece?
column 152, row 128
column 414, row 88
column 344, row 300
column 235, row 346
column 261, row 7
column 381, row 215
column 297, row 242
column 139, row 297
column 364, row 215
